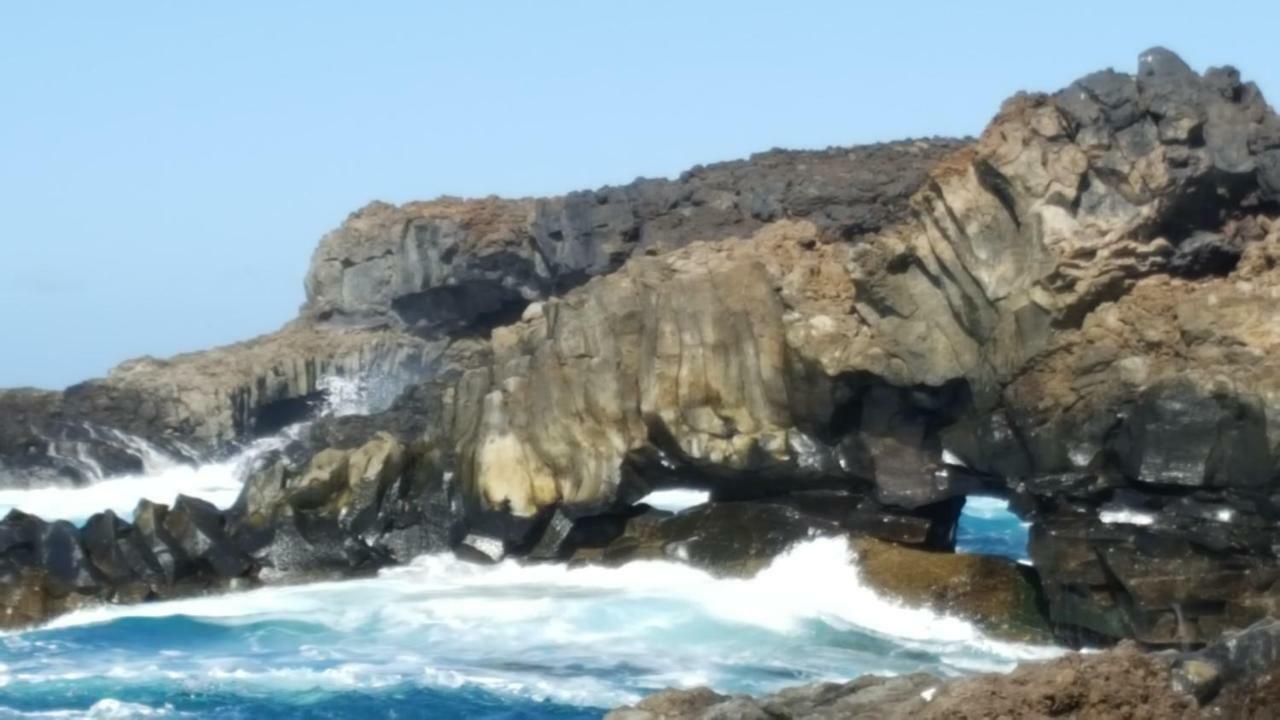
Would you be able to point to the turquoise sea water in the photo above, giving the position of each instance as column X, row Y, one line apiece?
column 443, row 639
column 988, row 528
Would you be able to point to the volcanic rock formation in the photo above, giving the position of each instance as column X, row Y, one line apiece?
column 1078, row 310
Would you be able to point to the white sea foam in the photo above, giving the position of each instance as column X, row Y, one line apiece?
column 586, row 635
column 218, row 482
column 676, row 499
column 986, row 507
column 104, row 709
column 350, row 395
column 163, row 477
column 1124, row 516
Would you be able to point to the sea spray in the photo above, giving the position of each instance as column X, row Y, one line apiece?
column 165, row 477
column 582, row 636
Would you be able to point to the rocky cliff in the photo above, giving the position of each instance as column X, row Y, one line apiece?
column 1076, row 310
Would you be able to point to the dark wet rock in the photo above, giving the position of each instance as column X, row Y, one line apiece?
column 740, row 538
column 63, row 560
column 930, row 526
column 1177, row 434
column 20, row 536
column 733, row 539
column 118, row 552
column 149, row 523
column 63, row 439
column 345, row 509
column 1165, row 586
column 199, row 530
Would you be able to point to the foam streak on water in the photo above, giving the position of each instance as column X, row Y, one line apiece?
column 582, row 637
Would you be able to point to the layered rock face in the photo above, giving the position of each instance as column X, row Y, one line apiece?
column 1047, row 310
column 458, row 264
column 193, row 406
column 1077, row 310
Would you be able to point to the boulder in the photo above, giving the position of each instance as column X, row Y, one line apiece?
column 999, row 595
column 199, row 531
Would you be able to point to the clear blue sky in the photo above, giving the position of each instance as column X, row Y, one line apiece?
column 166, row 168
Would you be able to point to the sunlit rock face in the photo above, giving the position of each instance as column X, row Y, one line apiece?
column 1080, row 307
column 1046, row 310
column 469, row 264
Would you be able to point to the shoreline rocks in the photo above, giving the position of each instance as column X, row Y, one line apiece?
column 1078, row 310
column 1118, row 684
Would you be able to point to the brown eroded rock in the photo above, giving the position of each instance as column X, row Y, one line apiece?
column 997, row 594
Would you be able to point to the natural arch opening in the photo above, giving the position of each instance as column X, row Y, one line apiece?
column 988, row 527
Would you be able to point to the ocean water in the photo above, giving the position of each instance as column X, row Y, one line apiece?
column 440, row 638
column 987, row 527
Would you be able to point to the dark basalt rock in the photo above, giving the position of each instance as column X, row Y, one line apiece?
column 450, row 265
column 88, row 432
column 345, row 509
column 198, row 529
column 118, row 552
column 739, row 538
column 149, row 524
column 732, row 538
column 1179, row 435
column 1077, row 311
column 1158, row 583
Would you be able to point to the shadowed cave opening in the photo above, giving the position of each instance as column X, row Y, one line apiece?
column 274, row 416
column 466, row 309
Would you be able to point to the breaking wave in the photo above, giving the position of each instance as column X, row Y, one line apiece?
column 467, row 641
column 555, row 637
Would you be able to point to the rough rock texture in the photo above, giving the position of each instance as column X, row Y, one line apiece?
column 1119, row 684
column 1156, row 518
column 450, row 264
column 345, row 509
column 193, row 405
column 1080, row 307
column 1077, row 310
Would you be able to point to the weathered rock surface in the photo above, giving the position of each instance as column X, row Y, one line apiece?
column 193, row 405
column 1046, row 311
column 1119, row 684
column 999, row 595
column 458, row 264
column 1078, row 310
